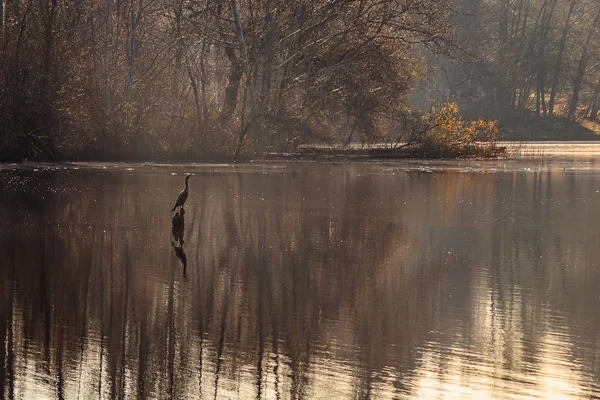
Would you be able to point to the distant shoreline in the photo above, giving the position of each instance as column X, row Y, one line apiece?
column 514, row 150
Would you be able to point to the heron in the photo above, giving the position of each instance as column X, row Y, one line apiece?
column 183, row 195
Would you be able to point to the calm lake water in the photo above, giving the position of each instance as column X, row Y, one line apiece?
column 301, row 281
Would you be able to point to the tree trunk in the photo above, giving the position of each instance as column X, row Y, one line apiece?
column 523, row 101
column 268, row 56
column 203, row 78
column 559, row 58
column 592, row 110
column 178, row 57
column 581, row 71
column 231, row 91
column 541, row 59
column 194, row 85
column 48, row 48
column 248, row 87
column 2, row 17
column 130, row 48
column 106, row 60
column 502, row 96
column 519, row 34
column 237, row 69
column 531, row 58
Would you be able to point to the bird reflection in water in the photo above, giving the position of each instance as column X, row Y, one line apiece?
column 177, row 230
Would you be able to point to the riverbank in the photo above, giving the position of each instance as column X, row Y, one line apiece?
column 506, row 150
column 512, row 150
column 520, row 156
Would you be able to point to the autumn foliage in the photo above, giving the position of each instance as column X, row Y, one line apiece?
column 451, row 135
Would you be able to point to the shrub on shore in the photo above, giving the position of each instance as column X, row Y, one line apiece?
column 449, row 134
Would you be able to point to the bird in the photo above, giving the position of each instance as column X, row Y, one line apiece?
column 183, row 195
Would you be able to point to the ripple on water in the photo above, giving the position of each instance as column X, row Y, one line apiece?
column 302, row 280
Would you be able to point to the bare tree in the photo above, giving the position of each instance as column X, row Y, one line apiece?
column 581, row 69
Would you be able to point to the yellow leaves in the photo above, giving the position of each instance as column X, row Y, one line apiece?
column 454, row 135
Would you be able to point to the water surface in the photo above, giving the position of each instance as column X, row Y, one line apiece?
column 301, row 280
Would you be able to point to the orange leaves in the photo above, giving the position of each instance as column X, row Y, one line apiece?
column 453, row 135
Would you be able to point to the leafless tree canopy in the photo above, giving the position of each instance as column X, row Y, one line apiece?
column 156, row 77
column 168, row 78
column 534, row 57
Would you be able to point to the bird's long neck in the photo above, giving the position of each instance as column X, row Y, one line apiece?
column 187, row 185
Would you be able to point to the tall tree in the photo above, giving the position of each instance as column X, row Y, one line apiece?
column 559, row 58
column 581, row 69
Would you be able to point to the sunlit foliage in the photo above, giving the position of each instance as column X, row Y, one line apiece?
column 451, row 135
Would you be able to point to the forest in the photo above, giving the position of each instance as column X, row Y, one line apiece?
column 214, row 79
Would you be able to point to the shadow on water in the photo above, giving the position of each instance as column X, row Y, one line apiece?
column 346, row 281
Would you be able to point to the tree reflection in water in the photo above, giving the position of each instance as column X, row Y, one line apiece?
column 303, row 281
